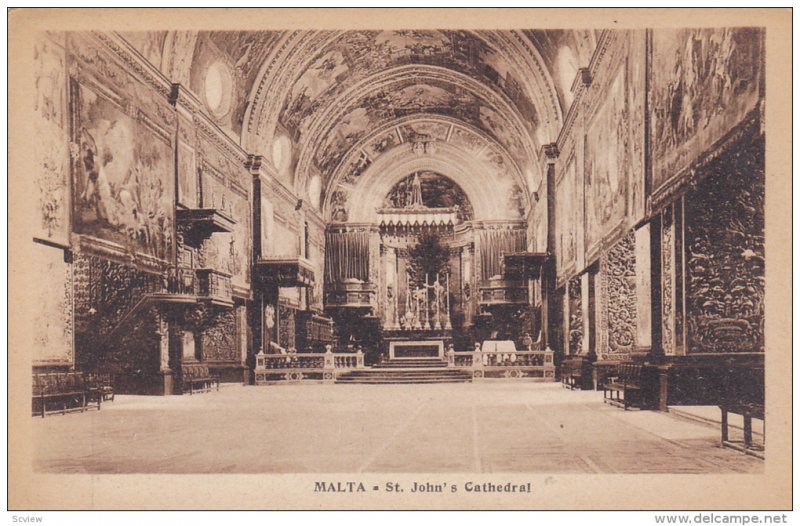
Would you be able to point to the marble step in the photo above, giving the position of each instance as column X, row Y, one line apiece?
column 389, row 380
column 406, row 376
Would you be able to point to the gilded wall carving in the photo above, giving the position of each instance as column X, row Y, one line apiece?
column 575, row 315
column 286, row 327
column 668, row 282
column 105, row 292
column 218, row 340
column 619, row 273
column 725, row 256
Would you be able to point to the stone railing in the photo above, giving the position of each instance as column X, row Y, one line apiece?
column 529, row 365
column 295, row 367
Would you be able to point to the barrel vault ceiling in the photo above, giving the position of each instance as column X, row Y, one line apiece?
column 322, row 106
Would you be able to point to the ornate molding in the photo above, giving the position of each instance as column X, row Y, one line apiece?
column 135, row 61
column 357, row 149
column 325, row 121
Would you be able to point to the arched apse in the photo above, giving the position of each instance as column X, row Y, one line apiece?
column 490, row 199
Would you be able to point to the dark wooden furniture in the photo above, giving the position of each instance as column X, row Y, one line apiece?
column 633, row 385
column 749, row 411
column 576, row 373
column 602, row 371
column 101, row 385
column 313, row 331
column 743, row 395
column 197, row 374
column 65, row 391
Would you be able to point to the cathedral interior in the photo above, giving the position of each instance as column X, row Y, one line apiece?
column 289, row 207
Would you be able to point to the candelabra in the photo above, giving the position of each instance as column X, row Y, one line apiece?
column 447, row 324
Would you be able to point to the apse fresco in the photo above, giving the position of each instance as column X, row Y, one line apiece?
column 121, row 184
column 704, row 82
column 438, row 191
column 467, row 140
column 606, row 164
column 425, row 130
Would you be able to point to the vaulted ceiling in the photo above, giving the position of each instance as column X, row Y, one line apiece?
column 324, row 106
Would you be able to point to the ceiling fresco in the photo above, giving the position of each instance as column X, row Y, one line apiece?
column 564, row 52
column 356, row 55
column 242, row 54
column 306, row 99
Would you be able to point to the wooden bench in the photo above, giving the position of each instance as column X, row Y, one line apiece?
column 100, row 384
column 743, row 395
column 576, row 373
column 749, row 411
column 197, row 374
column 68, row 391
column 633, row 382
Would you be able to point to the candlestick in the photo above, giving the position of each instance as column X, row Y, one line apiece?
column 427, row 315
column 447, row 324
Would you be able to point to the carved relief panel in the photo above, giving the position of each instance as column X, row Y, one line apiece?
column 618, row 298
column 575, row 324
column 725, row 256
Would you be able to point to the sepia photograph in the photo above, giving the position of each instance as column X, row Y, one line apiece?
column 398, row 259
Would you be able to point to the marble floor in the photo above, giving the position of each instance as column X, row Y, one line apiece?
column 479, row 427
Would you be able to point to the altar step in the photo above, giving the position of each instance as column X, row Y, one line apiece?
column 407, row 375
column 409, row 363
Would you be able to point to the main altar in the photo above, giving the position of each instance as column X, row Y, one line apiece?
column 424, row 277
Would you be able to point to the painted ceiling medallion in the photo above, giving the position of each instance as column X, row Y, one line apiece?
column 217, row 87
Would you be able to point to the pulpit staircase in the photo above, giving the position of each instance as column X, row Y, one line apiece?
column 406, row 371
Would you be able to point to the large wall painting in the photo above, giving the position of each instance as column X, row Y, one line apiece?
column 50, row 149
column 122, row 191
column 242, row 243
column 606, row 164
column 53, row 317
column 567, row 217
column 703, row 83
column 187, row 176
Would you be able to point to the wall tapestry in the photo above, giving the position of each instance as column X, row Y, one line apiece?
column 703, row 82
column 120, row 193
column 606, row 164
